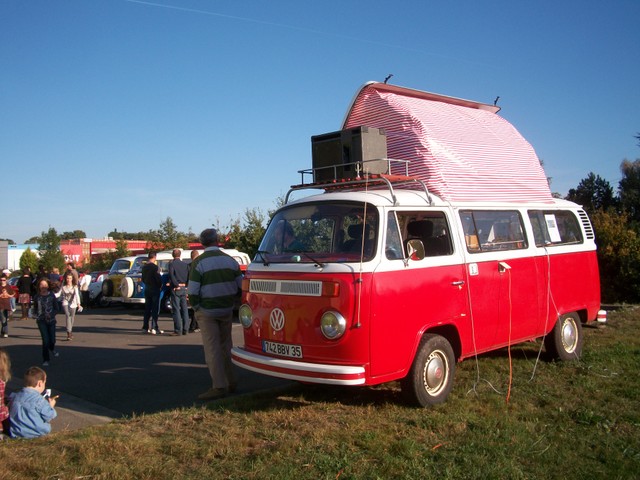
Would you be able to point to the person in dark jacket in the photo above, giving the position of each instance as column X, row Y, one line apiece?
column 152, row 286
column 25, row 291
column 45, row 307
column 178, row 277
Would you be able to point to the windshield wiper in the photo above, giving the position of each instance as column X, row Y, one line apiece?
column 263, row 254
column 306, row 254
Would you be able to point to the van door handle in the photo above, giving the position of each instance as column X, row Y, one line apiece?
column 459, row 283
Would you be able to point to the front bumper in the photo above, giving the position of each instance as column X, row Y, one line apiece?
column 299, row 371
column 133, row 300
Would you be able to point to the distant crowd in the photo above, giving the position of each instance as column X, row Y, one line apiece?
column 211, row 284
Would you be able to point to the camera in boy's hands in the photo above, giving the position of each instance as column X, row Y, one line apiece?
column 47, row 393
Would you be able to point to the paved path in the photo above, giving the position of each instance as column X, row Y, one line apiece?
column 112, row 369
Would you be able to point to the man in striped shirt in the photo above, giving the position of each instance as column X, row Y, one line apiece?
column 215, row 282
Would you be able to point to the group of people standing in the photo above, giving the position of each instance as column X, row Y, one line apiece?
column 211, row 283
column 177, row 285
column 42, row 297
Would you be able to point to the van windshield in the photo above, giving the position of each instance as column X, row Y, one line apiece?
column 321, row 232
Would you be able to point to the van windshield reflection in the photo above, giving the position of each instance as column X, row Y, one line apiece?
column 321, row 232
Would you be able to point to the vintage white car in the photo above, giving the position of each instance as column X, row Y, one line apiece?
column 110, row 287
column 95, row 289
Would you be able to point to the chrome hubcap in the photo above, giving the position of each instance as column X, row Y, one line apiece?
column 435, row 372
column 569, row 335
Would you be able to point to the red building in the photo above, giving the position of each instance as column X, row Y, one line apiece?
column 81, row 251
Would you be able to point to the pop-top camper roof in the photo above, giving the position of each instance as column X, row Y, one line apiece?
column 461, row 149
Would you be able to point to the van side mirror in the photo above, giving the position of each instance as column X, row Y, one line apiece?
column 415, row 249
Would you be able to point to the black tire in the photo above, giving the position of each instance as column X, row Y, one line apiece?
column 165, row 304
column 430, row 379
column 102, row 301
column 565, row 341
column 107, row 288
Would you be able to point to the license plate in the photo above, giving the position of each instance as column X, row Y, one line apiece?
column 282, row 349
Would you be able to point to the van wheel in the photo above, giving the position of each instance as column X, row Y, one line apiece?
column 430, row 379
column 107, row 288
column 565, row 341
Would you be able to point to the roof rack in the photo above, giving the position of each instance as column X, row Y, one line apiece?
column 361, row 179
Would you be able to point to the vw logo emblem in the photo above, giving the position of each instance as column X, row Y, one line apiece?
column 276, row 319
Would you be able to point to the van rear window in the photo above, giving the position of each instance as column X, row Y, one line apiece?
column 555, row 227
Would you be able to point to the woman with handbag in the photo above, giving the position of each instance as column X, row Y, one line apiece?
column 25, row 291
column 70, row 300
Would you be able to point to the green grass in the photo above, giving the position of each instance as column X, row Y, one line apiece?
column 562, row 420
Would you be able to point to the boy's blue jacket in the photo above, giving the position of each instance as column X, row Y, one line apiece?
column 30, row 414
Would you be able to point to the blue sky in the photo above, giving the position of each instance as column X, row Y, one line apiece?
column 121, row 113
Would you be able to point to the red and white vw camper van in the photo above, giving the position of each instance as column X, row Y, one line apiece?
column 436, row 238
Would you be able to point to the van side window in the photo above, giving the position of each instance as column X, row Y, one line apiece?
column 393, row 245
column 431, row 228
column 555, row 227
column 491, row 230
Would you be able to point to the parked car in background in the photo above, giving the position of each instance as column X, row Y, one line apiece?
column 95, row 289
column 111, row 284
column 242, row 258
column 132, row 286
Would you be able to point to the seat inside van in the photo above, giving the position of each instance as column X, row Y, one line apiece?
column 424, row 230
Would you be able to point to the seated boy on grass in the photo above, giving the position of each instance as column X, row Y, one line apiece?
column 30, row 412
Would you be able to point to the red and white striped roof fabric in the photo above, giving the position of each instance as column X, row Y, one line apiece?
column 461, row 149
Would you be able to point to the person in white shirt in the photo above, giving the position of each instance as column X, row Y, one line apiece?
column 85, row 281
column 70, row 300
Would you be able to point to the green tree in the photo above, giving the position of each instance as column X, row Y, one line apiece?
column 29, row 259
column 247, row 237
column 593, row 193
column 170, row 236
column 73, row 235
column 49, row 250
column 629, row 189
column 278, row 202
column 122, row 249
column 149, row 236
column 8, row 240
column 618, row 257
column 104, row 262
column 166, row 237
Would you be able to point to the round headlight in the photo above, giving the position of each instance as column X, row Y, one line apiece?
column 244, row 315
column 333, row 325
